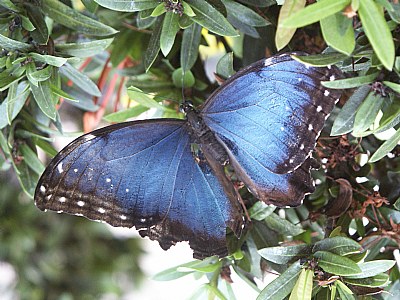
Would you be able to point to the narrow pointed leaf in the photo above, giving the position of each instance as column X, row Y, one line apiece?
column 283, row 285
column 345, row 119
column 336, row 264
column 315, row 12
column 190, row 46
column 303, row 288
column 80, row 79
column 338, row 245
column 343, row 42
column 168, row 32
column 44, row 99
column 128, row 5
column 154, row 44
column 13, row 45
column 285, row 254
column 377, row 31
column 366, row 113
column 84, row 49
column 349, row 83
column 284, row 34
column 372, row 268
column 72, row 19
column 386, row 147
column 210, row 18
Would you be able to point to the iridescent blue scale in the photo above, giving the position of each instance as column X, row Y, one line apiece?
column 264, row 121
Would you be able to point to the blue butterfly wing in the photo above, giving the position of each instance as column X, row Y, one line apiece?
column 268, row 116
column 143, row 174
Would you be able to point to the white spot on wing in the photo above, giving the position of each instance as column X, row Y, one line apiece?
column 60, row 211
column 108, row 179
column 282, row 129
column 75, row 170
column 62, row 199
column 329, row 67
column 101, row 210
column 300, row 79
column 326, row 93
column 123, row 217
column 332, row 78
column 291, row 160
column 60, row 167
column 302, row 147
column 142, row 220
column 49, row 196
column 79, row 215
column 310, row 127
column 42, row 189
column 319, row 108
column 126, row 190
column 80, row 203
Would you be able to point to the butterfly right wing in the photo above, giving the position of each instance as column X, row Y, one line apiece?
column 142, row 174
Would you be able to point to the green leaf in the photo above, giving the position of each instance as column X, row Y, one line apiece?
column 345, row 119
column 210, row 18
column 12, row 45
column 244, row 14
column 282, row 226
column 338, row 245
column 84, row 49
column 339, row 39
column 372, row 268
column 48, row 59
column 190, row 46
column 168, row 32
column 14, row 102
column 80, row 79
column 159, row 10
column 140, row 97
column 377, row 31
column 62, row 94
column 394, row 86
column 9, row 5
column 154, row 44
column 379, row 280
column 303, row 287
column 349, row 83
column 344, row 292
column 182, row 79
column 31, row 159
column 315, row 12
column 44, row 99
column 283, row 285
column 128, row 5
column 123, row 115
column 336, row 264
column 386, row 147
column 285, row 254
column 35, row 76
column 283, row 35
column 259, row 211
column 321, row 60
column 366, row 113
column 40, row 34
column 185, row 269
column 187, row 10
column 72, row 19
column 225, row 66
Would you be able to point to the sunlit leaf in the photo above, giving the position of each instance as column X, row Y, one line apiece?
column 377, row 31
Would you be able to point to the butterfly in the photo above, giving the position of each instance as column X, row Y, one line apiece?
column 166, row 177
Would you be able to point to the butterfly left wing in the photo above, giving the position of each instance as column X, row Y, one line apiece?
column 143, row 174
column 268, row 117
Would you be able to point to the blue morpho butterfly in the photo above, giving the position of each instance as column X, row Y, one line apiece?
column 263, row 121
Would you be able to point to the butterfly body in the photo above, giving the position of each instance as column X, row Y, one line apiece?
column 264, row 121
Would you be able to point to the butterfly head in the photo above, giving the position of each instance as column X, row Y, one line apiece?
column 186, row 106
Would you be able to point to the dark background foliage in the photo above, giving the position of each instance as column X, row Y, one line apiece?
column 84, row 59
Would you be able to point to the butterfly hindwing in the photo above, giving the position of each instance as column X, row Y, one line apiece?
column 142, row 174
column 269, row 116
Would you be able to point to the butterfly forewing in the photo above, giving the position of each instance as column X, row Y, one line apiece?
column 142, row 174
column 269, row 116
